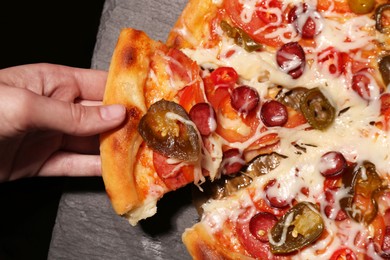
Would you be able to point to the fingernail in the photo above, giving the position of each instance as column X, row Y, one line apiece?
column 112, row 112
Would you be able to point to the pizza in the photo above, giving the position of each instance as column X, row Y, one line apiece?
column 276, row 112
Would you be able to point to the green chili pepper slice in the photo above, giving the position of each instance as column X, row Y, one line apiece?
column 361, row 6
column 384, row 69
column 379, row 16
column 167, row 129
column 228, row 184
column 240, row 37
column 300, row 226
column 317, row 110
column 360, row 204
column 263, row 164
column 292, row 98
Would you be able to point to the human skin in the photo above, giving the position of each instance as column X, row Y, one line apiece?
column 51, row 116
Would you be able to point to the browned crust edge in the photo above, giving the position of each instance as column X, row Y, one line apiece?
column 193, row 28
column 127, row 75
column 201, row 245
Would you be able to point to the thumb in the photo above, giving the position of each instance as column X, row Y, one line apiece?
column 74, row 119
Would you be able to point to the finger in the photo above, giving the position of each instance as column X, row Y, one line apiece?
column 91, row 83
column 74, row 119
column 89, row 102
column 56, row 80
column 70, row 164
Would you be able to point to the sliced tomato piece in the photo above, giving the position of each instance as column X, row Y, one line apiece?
column 173, row 175
column 340, row 6
column 215, row 94
column 266, row 140
column 295, row 118
column 232, row 125
column 379, row 227
column 266, row 10
column 189, row 96
column 255, row 26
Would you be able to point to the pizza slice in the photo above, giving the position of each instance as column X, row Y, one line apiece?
column 142, row 72
column 277, row 110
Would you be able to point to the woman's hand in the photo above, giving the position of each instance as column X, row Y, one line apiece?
column 50, row 117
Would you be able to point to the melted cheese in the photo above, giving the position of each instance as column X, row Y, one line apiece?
column 352, row 132
column 234, row 124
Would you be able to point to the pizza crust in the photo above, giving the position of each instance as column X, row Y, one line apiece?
column 142, row 72
column 193, row 28
column 201, row 245
column 128, row 73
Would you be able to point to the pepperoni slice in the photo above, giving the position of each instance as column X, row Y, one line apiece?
column 362, row 84
column 291, row 59
column 331, row 185
column 173, row 175
column 332, row 164
column 244, row 99
column 274, row 113
column 261, row 224
column 292, row 15
column 232, row 161
column 203, row 115
column 333, row 60
column 306, row 20
column 253, row 246
column 273, row 199
column 330, row 212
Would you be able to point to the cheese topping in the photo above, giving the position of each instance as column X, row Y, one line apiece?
column 352, row 133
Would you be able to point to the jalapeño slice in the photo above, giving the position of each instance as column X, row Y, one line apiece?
column 299, row 226
column 240, row 37
column 167, row 129
column 317, row 110
column 379, row 16
column 384, row 69
column 363, row 182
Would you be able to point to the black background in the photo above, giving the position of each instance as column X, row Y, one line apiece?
column 61, row 32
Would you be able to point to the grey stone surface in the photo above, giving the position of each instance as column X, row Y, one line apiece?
column 155, row 17
column 86, row 226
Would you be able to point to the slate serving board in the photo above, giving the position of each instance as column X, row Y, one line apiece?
column 86, row 226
